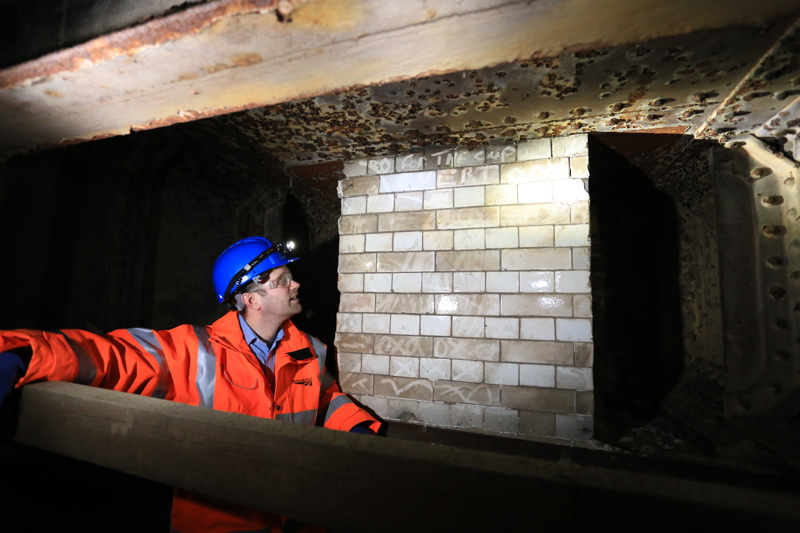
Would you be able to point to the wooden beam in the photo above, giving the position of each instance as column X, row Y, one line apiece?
column 361, row 483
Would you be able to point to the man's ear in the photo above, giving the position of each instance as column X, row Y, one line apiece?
column 251, row 301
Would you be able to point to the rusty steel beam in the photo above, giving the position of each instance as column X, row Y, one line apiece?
column 218, row 57
column 359, row 483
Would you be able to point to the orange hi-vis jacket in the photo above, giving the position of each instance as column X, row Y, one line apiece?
column 208, row 366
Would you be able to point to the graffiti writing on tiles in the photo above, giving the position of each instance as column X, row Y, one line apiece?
column 441, row 159
column 384, row 165
column 501, row 154
column 410, row 162
column 464, row 177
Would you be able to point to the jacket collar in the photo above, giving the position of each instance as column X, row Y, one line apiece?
column 227, row 332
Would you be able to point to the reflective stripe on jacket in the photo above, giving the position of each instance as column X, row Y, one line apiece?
column 208, row 366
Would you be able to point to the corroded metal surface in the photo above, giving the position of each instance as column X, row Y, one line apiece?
column 767, row 100
column 758, row 204
column 559, row 66
column 674, row 84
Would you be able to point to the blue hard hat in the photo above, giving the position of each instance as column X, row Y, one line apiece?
column 243, row 261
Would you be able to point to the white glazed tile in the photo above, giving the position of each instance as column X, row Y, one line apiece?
column 502, row 328
column 536, row 282
column 502, row 282
column 536, row 259
column 375, row 364
column 438, row 199
column 355, row 167
column 408, row 201
column 580, row 258
column 572, row 235
column 537, row 192
column 572, row 281
column 538, row 329
column 349, row 244
column 468, row 197
column 579, row 166
column 435, row 325
column 349, row 362
column 434, row 368
column 380, row 165
column 582, row 304
column 501, row 194
column 407, row 241
column 378, row 283
column 408, row 181
column 351, row 282
column 571, row 145
column 348, row 322
column 469, row 239
column 405, row 325
column 437, row 240
column 468, row 371
column 569, row 191
column 410, row 162
column 437, row 282
column 466, row 416
column 502, row 373
column 501, row 154
column 380, row 203
column 407, row 282
column 469, row 281
column 375, row 323
column 536, row 149
column 354, row 205
column 536, row 236
column 537, row 375
column 468, row 326
column 407, row 367
column 569, row 377
column 434, row 413
column 502, row 238
column 574, row 329
column 378, row 242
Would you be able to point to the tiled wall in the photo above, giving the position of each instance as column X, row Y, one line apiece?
column 464, row 279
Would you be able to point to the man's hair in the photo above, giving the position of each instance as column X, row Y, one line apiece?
column 235, row 301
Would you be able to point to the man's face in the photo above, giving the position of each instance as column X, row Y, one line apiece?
column 282, row 302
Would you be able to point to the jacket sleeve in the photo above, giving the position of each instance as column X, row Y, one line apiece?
column 336, row 409
column 123, row 360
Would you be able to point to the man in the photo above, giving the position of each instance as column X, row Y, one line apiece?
column 253, row 361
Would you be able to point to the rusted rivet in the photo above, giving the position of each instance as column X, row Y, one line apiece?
column 777, row 292
column 760, row 172
column 773, row 230
column 772, row 200
column 775, row 261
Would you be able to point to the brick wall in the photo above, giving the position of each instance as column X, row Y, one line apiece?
column 464, row 279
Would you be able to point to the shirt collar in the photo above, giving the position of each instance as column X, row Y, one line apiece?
column 251, row 337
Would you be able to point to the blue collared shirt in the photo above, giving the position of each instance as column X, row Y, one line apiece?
column 263, row 351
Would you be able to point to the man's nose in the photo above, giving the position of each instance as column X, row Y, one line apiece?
column 294, row 285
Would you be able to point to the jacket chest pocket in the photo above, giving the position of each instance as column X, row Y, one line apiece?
column 240, row 378
column 241, row 390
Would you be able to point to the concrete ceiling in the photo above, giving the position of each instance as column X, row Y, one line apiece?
column 323, row 80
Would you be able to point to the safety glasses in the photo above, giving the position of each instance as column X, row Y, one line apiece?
column 281, row 283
